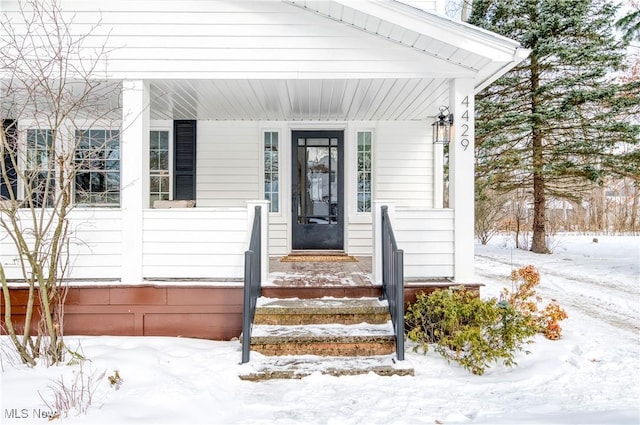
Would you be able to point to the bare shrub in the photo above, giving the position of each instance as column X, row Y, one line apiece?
column 76, row 394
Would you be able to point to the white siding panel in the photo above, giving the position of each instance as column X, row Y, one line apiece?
column 360, row 239
column 278, row 238
column 431, row 5
column 95, row 245
column 423, row 271
column 228, row 163
column 403, row 163
column 194, row 243
column 197, row 270
column 426, row 236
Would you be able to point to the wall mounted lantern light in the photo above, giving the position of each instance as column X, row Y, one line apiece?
column 442, row 126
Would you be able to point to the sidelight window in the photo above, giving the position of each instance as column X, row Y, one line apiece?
column 271, row 167
column 364, row 171
column 159, row 174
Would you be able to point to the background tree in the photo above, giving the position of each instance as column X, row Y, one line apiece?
column 50, row 80
column 558, row 122
column 490, row 215
column 458, row 9
column 630, row 23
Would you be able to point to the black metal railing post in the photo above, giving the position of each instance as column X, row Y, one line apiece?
column 252, row 282
column 393, row 280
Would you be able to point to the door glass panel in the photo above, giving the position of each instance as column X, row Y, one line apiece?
column 334, row 186
column 318, row 184
column 318, row 142
column 318, row 180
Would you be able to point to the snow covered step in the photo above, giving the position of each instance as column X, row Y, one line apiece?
column 297, row 367
column 362, row 339
column 294, row 311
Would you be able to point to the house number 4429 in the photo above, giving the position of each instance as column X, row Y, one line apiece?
column 465, row 127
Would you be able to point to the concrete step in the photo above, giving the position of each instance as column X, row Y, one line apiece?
column 321, row 311
column 297, row 367
column 362, row 339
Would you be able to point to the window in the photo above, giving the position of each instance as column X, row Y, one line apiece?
column 271, row 190
column 364, row 171
column 8, row 181
column 39, row 171
column 159, row 166
column 97, row 162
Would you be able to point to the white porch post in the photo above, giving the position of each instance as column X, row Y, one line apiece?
column 134, row 157
column 461, row 177
column 377, row 237
column 264, row 234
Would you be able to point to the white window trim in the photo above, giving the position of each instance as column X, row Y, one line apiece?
column 67, row 132
column 159, row 125
column 96, row 126
column 281, row 133
column 356, row 216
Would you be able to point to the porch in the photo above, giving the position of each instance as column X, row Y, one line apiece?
column 213, row 310
column 340, row 279
column 240, row 125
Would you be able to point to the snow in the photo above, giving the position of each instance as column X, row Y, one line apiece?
column 591, row 375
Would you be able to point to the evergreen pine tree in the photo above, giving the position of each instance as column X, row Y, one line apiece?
column 630, row 23
column 559, row 121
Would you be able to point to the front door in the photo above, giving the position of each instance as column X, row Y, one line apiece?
column 317, row 189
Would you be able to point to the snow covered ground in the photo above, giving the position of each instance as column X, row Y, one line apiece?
column 591, row 375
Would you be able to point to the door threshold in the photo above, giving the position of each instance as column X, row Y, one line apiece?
column 317, row 252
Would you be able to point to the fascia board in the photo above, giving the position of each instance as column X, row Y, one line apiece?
column 459, row 34
column 520, row 55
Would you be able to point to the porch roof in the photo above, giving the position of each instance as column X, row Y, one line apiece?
column 447, row 49
column 293, row 60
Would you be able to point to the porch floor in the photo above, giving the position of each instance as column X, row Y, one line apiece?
column 351, row 279
column 320, row 273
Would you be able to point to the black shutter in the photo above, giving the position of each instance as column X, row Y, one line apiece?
column 10, row 129
column 184, row 164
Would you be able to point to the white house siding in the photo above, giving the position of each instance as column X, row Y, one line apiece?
column 359, row 237
column 278, row 237
column 95, row 245
column 98, row 243
column 403, row 163
column 430, row 5
column 202, row 243
column 233, row 39
column 228, row 162
column 426, row 236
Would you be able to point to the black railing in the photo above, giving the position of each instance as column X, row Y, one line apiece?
column 252, row 270
column 393, row 280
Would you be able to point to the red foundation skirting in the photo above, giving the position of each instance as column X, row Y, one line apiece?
column 184, row 311
column 194, row 312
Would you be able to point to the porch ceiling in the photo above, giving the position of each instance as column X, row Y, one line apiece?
column 298, row 100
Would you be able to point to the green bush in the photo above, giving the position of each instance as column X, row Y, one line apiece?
column 467, row 329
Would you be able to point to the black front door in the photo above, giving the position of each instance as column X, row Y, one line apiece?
column 317, row 188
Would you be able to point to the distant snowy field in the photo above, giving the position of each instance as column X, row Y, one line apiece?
column 591, row 375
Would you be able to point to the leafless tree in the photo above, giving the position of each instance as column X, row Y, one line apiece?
column 53, row 80
column 490, row 212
